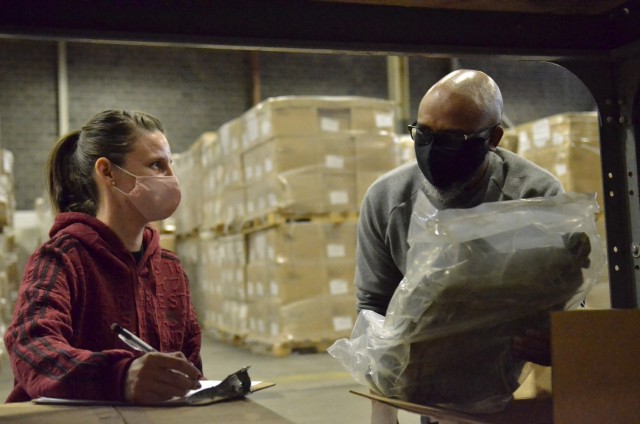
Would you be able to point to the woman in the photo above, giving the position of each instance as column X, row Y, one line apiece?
column 104, row 265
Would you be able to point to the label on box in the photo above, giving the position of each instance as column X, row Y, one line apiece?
column 524, row 143
column 275, row 289
column 250, row 207
column 275, row 329
column 338, row 197
column 338, row 286
column 336, row 251
column 248, row 170
column 329, row 124
column 384, row 120
column 266, row 128
column 560, row 169
column 252, row 130
column 557, row 139
column 268, row 165
column 541, row 132
column 273, row 200
column 343, row 323
column 334, row 161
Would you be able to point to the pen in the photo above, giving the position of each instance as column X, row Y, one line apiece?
column 136, row 342
column 131, row 339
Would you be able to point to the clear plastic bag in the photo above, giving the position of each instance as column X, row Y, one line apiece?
column 475, row 279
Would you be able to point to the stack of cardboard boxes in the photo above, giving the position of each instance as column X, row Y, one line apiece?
column 300, row 282
column 9, row 272
column 280, row 191
column 306, row 155
column 568, row 146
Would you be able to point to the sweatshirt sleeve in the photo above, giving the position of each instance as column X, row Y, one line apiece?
column 193, row 338
column 376, row 276
column 44, row 362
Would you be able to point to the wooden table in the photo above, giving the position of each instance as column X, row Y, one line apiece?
column 237, row 411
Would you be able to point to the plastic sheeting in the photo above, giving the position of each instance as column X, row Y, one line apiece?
column 475, row 279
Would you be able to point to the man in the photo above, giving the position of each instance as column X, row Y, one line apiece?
column 458, row 165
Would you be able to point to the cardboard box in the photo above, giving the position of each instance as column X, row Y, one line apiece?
column 303, row 192
column 509, row 140
column 316, row 115
column 168, row 241
column 233, row 206
column 282, row 154
column 232, row 279
column 293, row 281
column 187, row 167
column 309, row 320
column 376, row 152
column 558, row 130
column 596, row 373
column 212, row 216
column 303, row 241
column 596, row 376
column 231, row 135
column 232, row 175
column 406, row 148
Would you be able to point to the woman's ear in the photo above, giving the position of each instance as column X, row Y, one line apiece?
column 496, row 136
column 103, row 170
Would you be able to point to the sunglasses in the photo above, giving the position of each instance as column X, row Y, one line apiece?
column 451, row 141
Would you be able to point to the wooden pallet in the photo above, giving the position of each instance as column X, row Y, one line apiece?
column 259, row 222
column 286, row 348
column 227, row 337
column 262, row 222
column 273, row 219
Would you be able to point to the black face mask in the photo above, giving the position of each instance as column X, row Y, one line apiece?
column 444, row 166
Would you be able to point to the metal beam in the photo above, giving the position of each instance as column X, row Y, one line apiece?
column 614, row 85
column 312, row 25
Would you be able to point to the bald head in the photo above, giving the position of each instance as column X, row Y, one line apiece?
column 464, row 100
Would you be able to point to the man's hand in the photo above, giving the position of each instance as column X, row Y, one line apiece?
column 156, row 377
column 534, row 346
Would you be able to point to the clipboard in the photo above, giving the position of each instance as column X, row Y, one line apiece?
column 181, row 401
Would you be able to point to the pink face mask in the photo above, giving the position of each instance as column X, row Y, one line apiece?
column 156, row 197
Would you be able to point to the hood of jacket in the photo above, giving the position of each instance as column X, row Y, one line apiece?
column 98, row 237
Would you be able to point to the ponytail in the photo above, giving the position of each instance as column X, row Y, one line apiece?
column 69, row 180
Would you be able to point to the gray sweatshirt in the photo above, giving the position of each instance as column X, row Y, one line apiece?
column 386, row 211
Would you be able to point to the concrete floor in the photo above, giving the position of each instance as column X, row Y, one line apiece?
column 311, row 388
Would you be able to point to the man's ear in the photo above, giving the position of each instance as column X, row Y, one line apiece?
column 495, row 137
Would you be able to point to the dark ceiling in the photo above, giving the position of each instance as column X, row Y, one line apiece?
column 542, row 28
column 565, row 7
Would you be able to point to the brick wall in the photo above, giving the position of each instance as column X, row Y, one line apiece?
column 196, row 90
column 28, row 114
column 323, row 75
column 189, row 90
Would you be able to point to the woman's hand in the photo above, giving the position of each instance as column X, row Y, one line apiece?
column 156, row 377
